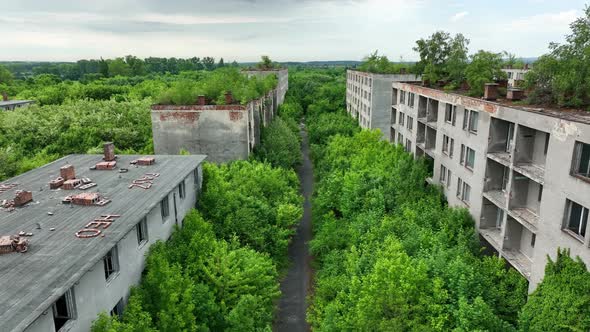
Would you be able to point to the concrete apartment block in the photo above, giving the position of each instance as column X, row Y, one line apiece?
column 368, row 98
column 222, row 132
column 82, row 260
column 283, row 82
column 514, row 75
column 523, row 173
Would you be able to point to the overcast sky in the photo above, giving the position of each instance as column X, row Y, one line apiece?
column 287, row 30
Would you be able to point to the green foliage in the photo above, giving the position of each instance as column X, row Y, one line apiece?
column 213, row 85
column 6, row 76
column 279, row 145
column 267, row 64
column 485, row 67
column 562, row 76
column 392, row 256
column 36, row 135
column 375, row 63
column 442, row 57
column 260, row 205
column 195, row 282
column 561, row 301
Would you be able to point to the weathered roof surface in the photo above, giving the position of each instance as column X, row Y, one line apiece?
column 31, row 282
column 15, row 102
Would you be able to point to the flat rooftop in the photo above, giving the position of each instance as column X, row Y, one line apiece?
column 15, row 102
column 569, row 114
column 31, row 282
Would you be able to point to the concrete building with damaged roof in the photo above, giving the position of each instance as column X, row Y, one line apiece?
column 523, row 172
column 74, row 234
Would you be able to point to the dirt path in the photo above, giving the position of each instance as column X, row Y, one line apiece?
column 293, row 305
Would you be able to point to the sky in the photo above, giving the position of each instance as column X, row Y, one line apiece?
column 286, row 30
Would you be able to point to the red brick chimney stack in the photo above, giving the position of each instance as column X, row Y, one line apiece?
column 4, row 96
column 201, row 100
column 109, row 151
column 491, row 91
column 67, row 172
column 229, row 99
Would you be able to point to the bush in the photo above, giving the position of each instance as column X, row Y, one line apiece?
column 279, row 145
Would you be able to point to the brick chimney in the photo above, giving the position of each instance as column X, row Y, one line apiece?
column 109, row 151
column 515, row 94
column 229, row 99
column 4, row 96
column 67, row 172
column 491, row 91
column 201, row 100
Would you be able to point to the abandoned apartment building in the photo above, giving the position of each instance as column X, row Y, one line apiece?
column 74, row 234
column 523, row 173
column 222, row 132
column 368, row 97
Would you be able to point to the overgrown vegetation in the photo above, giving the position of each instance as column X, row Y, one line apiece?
column 280, row 144
column 562, row 77
column 213, row 85
column 198, row 282
column 380, row 64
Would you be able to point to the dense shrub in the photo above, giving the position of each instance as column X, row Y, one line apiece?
column 279, row 145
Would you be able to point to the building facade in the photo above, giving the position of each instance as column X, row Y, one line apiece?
column 222, row 132
column 515, row 76
column 283, row 81
column 523, row 173
column 11, row 105
column 84, row 256
column 368, row 98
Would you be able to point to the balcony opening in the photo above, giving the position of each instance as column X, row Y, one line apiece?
column 430, row 143
column 491, row 222
column 432, row 112
column 501, row 140
column 394, row 96
column 422, row 101
column 496, row 182
column 525, row 199
column 530, row 152
column 393, row 116
column 517, row 248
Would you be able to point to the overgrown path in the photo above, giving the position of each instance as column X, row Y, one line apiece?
column 292, row 305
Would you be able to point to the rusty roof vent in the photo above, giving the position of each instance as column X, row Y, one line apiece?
column 13, row 243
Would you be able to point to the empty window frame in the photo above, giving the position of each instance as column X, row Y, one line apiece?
column 581, row 160
column 470, row 121
column 64, row 310
column 393, row 116
column 402, row 118
column 196, row 177
column 402, row 97
column 111, row 263
column 410, row 124
column 467, row 157
column 142, row 231
column 164, row 208
column 463, row 190
column 447, row 146
column 450, row 114
column 182, row 190
column 400, row 138
column 499, row 218
column 411, row 99
column 576, row 219
column 445, row 174
column 118, row 309
column 408, row 145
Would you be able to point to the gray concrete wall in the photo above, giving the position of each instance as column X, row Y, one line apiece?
column 220, row 132
column 558, row 184
column 93, row 294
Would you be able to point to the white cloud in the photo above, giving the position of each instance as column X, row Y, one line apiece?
column 549, row 22
column 458, row 16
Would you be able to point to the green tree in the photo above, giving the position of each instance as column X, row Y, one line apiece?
column 562, row 76
column 485, row 67
column 118, row 67
column 442, row 57
column 6, row 76
column 220, row 63
column 561, row 302
column 280, row 145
